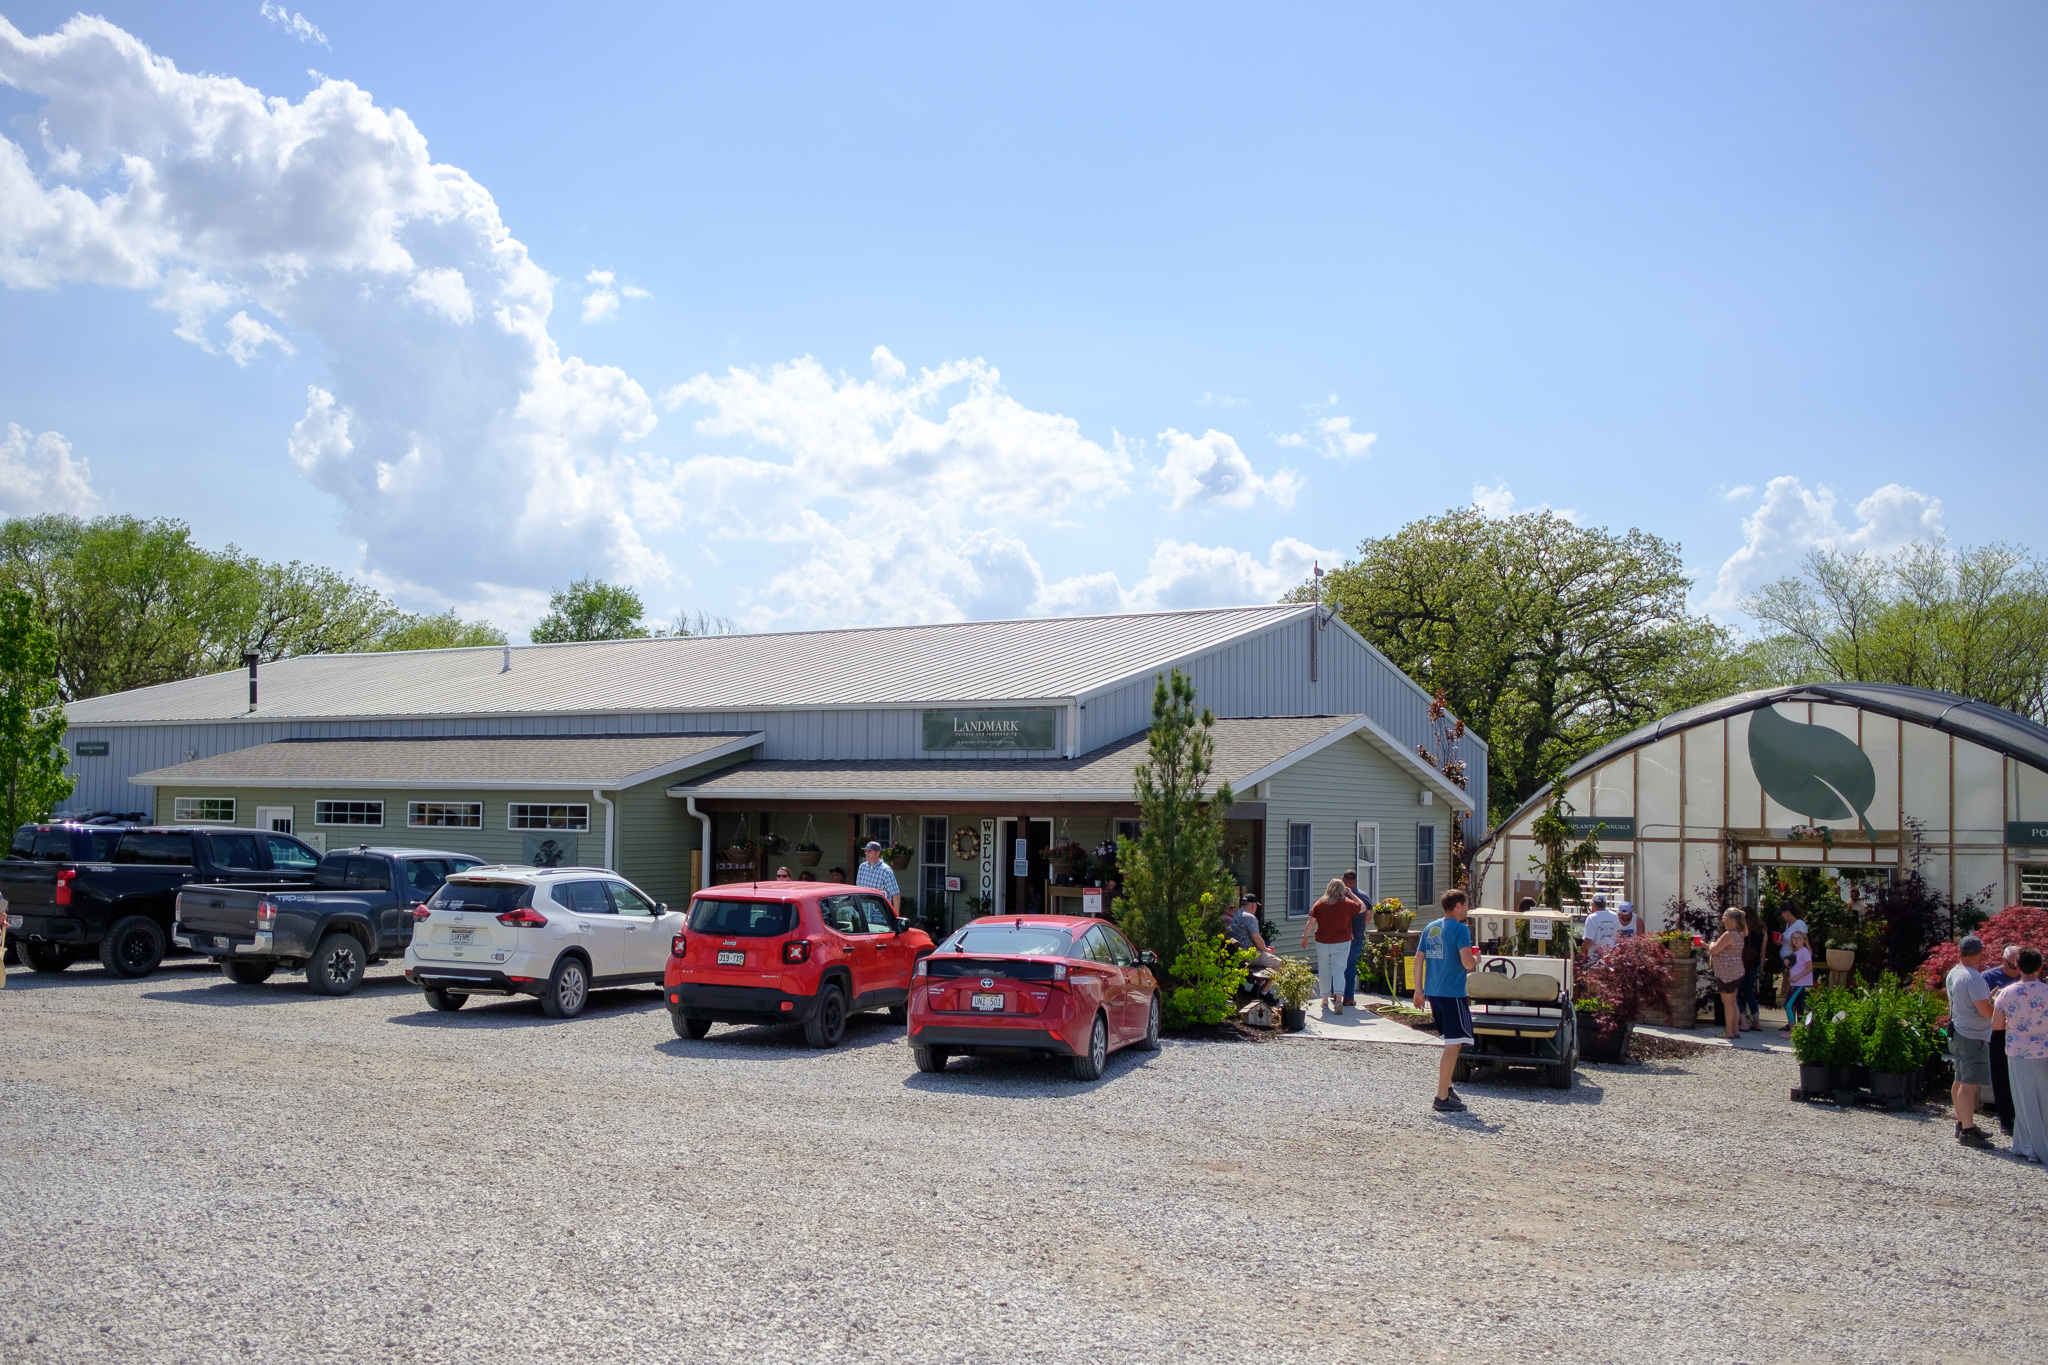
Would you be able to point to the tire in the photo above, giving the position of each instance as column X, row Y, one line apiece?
column 687, row 1027
column 248, row 973
column 50, row 957
column 899, row 1014
column 568, row 988
column 1088, row 1065
column 446, row 1001
column 133, row 947
column 827, row 1024
column 1150, row 1042
column 930, row 1058
column 1461, row 1070
column 337, row 965
column 1560, row 1076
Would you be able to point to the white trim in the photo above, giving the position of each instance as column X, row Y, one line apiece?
column 583, row 828
column 1379, row 739
column 177, row 817
column 158, row 777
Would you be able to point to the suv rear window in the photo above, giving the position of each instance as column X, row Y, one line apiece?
column 742, row 919
column 1032, row 941
column 493, row 898
column 171, row 850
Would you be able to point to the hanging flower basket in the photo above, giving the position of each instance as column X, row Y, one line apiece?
column 898, row 856
column 809, row 856
column 739, row 853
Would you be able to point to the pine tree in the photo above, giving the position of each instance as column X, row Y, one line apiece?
column 1177, row 857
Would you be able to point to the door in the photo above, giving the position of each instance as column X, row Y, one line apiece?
column 646, row 944
column 846, row 928
column 1023, row 894
column 374, row 875
column 1368, row 864
column 598, row 928
column 1137, row 1001
column 276, row 819
column 891, row 949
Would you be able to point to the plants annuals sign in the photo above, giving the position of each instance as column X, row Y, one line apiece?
column 1031, row 729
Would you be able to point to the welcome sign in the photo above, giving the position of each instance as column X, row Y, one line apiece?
column 1020, row 729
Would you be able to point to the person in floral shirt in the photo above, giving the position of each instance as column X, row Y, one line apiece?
column 2021, row 1009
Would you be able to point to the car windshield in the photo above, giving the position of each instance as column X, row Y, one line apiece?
column 742, row 919
column 490, row 897
column 1012, row 939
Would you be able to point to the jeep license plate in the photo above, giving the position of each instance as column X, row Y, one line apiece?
column 460, row 937
column 987, row 1002
column 732, row 958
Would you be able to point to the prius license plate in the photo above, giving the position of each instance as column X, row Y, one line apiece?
column 459, row 937
column 732, row 959
column 987, row 1002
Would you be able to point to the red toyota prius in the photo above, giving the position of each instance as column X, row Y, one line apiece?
column 1043, row 985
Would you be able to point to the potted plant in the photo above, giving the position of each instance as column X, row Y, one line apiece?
column 1842, row 952
column 1295, row 981
column 1602, row 1038
column 1386, row 915
column 1845, row 1051
column 774, row 844
column 1629, row 975
column 1678, row 942
column 809, row 854
column 898, row 855
column 1889, row 1053
column 741, row 850
column 1064, row 855
column 1810, row 1049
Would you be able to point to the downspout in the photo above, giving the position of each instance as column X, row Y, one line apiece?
column 608, row 824
column 703, row 863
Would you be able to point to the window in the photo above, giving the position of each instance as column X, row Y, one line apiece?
column 1120, row 950
column 369, row 874
column 742, row 919
column 370, row 813
column 880, row 920
column 289, row 855
column 842, row 914
column 879, row 830
column 165, row 850
column 585, row 898
column 206, row 809
column 2034, row 887
column 522, row 816
column 425, row 875
column 444, row 814
column 1425, row 865
column 1127, row 829
column 1300, row 850
column 1368, row 864
column 627, row 901
column 1011, row 940
column 493, row 898
column 1609, row 877
column 235, row 850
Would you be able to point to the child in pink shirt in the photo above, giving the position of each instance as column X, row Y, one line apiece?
column 1798, row 979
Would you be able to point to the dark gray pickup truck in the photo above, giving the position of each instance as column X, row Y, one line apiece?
column 359, row 910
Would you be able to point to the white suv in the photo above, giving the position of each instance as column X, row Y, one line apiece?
column 554, row 932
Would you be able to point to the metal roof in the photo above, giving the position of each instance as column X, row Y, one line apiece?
column 546, row 761
column 977, row 662
column 1248, row 751
column 1994, row 727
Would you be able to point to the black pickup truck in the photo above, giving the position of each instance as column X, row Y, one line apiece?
column 123, row 903
column 357, row 911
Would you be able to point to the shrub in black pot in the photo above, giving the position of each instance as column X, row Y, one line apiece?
column 1294, row 981
column 1810, row 1047
column 1614, row 986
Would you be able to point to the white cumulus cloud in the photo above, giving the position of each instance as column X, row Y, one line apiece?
column 1794, row 520
column 298, row 25
column 328, row 217
column 38, row 474
column 1211, row 471
column 1498, row 500
column 605, row 291
column 1182, row 575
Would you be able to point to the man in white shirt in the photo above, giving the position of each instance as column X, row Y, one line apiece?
column 1603, row 927
column 1969, row 1014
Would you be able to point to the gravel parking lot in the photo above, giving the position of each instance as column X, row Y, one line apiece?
column 200, row 1171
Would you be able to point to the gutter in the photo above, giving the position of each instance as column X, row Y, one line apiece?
column 610, row 827
column 703, row 863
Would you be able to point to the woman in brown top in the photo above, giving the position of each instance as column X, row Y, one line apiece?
column 1329, row 919
column 1724, row 957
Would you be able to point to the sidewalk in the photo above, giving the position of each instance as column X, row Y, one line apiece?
column 1358, row 1025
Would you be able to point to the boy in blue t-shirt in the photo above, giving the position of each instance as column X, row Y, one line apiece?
column 1448, row 957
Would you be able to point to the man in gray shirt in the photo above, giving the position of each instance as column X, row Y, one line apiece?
column 1969, row 1013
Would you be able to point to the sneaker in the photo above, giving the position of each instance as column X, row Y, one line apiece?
column 1973, row 1136
column 1450, row 1104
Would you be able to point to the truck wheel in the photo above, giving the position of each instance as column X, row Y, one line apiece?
column 827, row 1025
column 568, row 989
column 50, row 957
column 447, row 1001
column 133, row 947
column 248, row 973
column 1088, row 1065
column 337, row 965
column 687, row 1027
column 930, row 1058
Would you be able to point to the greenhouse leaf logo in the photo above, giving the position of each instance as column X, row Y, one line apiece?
column 1816, row 771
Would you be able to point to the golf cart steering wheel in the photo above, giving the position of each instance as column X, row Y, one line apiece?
column 1501, row 965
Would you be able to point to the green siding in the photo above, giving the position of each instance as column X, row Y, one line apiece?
column 1333, row 790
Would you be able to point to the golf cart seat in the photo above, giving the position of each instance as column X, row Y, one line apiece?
column 1528, row 988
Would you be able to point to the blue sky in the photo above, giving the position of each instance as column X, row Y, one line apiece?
column 1753, row 277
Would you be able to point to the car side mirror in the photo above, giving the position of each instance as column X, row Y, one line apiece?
column 661, row 908
column 1148, row 959
column 898, row 923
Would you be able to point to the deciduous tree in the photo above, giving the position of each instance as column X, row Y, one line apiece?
column 445, row 631
column 32, row 777
column 591, row 609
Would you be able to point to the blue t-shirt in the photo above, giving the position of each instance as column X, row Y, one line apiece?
column 1445, row 970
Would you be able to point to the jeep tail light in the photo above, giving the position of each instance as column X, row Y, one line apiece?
column 64, row 876
column 525, row 917
column 678, row 946
column 266, row 915
column 422, row 910
column 797, row 950
column 1059, row 971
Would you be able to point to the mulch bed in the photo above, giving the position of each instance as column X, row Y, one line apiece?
column 1648, row 1047
column 1229, row 1031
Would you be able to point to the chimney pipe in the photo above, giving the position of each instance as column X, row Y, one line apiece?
column 508, row 660
column 250, row 659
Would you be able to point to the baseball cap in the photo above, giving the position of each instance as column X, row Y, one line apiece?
column 874, row 844
column 1970, row 944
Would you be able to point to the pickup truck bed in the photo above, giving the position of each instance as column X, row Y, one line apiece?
column 358, row 911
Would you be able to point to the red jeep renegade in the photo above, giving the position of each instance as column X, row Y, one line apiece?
column 807, row 953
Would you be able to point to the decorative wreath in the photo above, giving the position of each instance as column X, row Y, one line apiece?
column 966, row 843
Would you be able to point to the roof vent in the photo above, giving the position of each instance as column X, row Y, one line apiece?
column 507, row 668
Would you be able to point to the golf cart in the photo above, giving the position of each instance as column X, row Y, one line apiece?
column 1521, row 996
